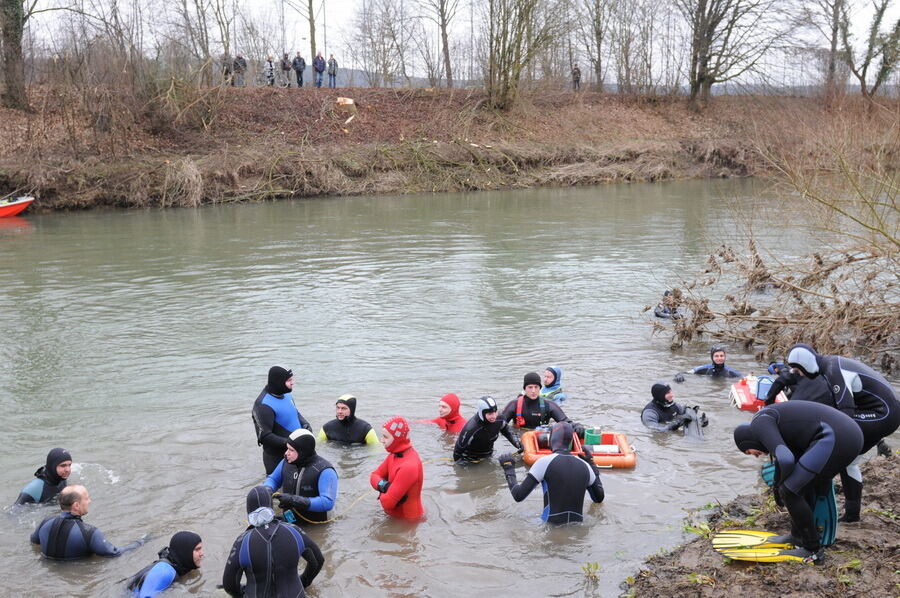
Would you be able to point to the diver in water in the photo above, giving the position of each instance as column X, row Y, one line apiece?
column 346, row 427
column 860, row 392
column 663, row 414
column 449, row 419
column 181, row 556
column 811, row 443
column 308, row 483
column 275, row 416
column 49, row 479
column 716, row 367
column 268, row 553
column 529, row 409
column 562, row 476
column 400, row 476
column 552, row 389
column 66, row 537
column 476, row 441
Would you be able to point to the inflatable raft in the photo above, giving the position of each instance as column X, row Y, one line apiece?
column 610, row 449
column 745, row 393
column 11, row 207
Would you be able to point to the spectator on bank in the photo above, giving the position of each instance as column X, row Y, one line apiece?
column 299, row 65
column 227, row 65
column 332, row 71
column 269, row 71
column 239, row 67
column 319, row 68
column 286, row 68
column 576, row 78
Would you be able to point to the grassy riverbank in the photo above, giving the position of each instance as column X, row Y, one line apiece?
column 85, row 150
column 864, row 561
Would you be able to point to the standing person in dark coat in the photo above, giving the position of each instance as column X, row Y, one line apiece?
column 811, row 443
column 49, row 479
column 239, row 67
column 319, row 68
column 299, row 66
column 332, row 72
column 576, row 78
column 268, row 554
column 275, row 416
column 286, row 68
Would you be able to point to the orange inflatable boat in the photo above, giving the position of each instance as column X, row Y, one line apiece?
column 610, row 449
column 745, row 393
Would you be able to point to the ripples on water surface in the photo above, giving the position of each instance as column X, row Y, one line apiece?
column 139, row 340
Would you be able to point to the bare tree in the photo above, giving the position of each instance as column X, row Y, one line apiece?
column 728, row 37
column 881, row 47
column 442, row 12
column 594, row 24
column 824, row 17
column 429, row 50
column 305, row 9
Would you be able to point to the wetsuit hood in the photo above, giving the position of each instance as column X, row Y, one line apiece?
column 259, row 506
column 48, row 471
column 277, row 378
column 805, row 358
column 303, row 441
column 453, row 402
column 712, row 351
column 485, row 405
column 350, row 402
column 398, row 428
column 557, row 379
column 561, row 437
column 744, row 439
column 180, row 551
column 659, row 392
column 531, row 378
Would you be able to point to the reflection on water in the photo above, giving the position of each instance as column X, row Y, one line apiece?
column 138, row 340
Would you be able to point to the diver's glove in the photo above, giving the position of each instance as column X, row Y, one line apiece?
column 383, row 486
column 679, row 377
column 292, row 501
column 578, row 430
column 704, row 421
column 507, row 461
column 517, row 442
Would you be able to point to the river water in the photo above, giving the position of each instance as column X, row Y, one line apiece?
column 139, row 340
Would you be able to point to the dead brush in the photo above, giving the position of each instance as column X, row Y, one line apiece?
column 182, row 185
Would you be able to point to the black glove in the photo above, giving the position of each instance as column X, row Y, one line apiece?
column 578, row 429
column 507, row 461
column 383, row 486
column 703, row 420
column 679, row 377
column 588, row 455
column 292, row 501
column 516, row 442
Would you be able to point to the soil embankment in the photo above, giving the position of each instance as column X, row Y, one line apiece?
column 80, row 150
column 864, row 561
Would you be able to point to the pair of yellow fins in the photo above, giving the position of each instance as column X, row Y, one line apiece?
column 762, row 547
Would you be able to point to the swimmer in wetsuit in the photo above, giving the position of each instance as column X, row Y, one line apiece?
column 563, row 478
column 476, row 441
column 346, row 427
column 275, row 416
column 268, row 553
column 716, row 368
column 663, row 414
column 449, row 420
column 400, row 476
column 66, row 537
column 49, row 479
column 181, row 556
column 552, row 389
column 530, row 410
column 308, row 483
column 811, row 443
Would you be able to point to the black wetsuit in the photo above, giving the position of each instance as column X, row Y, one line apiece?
column 65, row 536
column 350, row 430
column 563, row 478
column 268, row 555
column 663, row 419
column 535, row 412
column 811, row 443
column 47, row 483
column 476, row 439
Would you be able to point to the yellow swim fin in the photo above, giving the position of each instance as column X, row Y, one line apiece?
column 773, row 555
column 741, row 538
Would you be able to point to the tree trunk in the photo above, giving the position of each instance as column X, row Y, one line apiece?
column 12, row 27
column 312, row 31
column 446, row 42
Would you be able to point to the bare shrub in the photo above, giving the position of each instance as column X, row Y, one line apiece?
column 183, row 184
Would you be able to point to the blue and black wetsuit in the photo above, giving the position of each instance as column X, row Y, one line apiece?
column 476, row 440
column 47, row 483
column 175, row 560
column 811, row 443
column 313, row 478
column 562, row 476
column 268, row 554
column 716, row 370
column 65, row 536
column 275, row 417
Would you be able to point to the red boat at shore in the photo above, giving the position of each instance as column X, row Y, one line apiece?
column 13, row 206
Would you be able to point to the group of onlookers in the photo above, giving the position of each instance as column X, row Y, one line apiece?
column 234, row 70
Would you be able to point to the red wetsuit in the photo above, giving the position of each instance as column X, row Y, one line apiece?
column 454, row 422
column 403, row 469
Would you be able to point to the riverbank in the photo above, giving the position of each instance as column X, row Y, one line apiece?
column 864, row 561
column 95, row 149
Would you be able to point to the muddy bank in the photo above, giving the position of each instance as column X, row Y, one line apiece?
column 864, row 561
column 78, row 150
